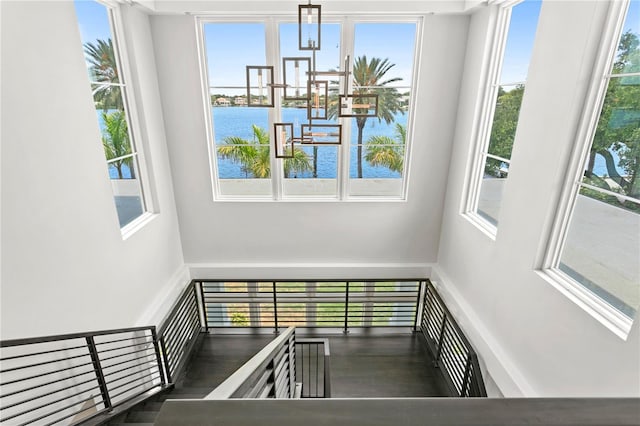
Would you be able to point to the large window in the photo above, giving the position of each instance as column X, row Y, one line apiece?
column 372, row 157
column 98, row 30
column 595, row 248
column 512, row 47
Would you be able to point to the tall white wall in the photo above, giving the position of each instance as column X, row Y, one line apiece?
column 533, row 340
column 309, row 239
column 65, row 265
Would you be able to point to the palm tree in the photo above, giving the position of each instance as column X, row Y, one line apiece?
column 386, row 151
column 255, row 158
column 103, row 67
column 115, row 141
column 369, row 78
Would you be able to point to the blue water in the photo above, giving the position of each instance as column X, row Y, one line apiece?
column 237, row 121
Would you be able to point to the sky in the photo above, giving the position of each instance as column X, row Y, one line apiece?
column 230, row 47
column 244, row 44
column 92, row 20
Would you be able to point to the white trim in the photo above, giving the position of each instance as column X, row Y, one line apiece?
column 206, row 103
column 483, row 117
column 272, row 271
column 123, row 64
column 138, row 223
column 499, row 365
column 484, row 122
column 548, row 269
column 272, row 47
column 164, row 298
column 606, row 315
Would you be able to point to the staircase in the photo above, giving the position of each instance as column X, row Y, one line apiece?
column 146, row 412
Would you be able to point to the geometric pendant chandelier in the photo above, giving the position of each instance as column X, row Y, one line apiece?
column 303, row 82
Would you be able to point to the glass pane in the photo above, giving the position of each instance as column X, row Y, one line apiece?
column 614, row 161
column 383, row 66
column 312, row 171
column 241, row 133
column 97, row 41
column 601, row 253
column 505, row 120
column 491, row 189
column 522, row 33
column 628, row 55
column 127, row 191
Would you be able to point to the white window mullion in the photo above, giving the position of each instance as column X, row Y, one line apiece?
column 272, row 51
column 347, row 48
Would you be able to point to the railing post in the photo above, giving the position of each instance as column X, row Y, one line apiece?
column 346, row 309
column 440, row 339
column 275, row 308
column 327, row 369
column 165, row 356
column 156, row 348
column 418, row 313
column 465, row 381
column 102, row 383
column 203, row 305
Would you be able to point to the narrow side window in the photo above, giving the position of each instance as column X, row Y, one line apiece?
column 511, row 49
column 104, row 61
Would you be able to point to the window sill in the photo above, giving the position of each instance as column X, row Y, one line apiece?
column 138, row 223
column 604, row 313
column 482, row 224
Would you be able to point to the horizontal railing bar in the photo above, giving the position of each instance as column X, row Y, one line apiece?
column 22, row 379
column 46, row 404
column 146, row 338
column 195, row 327
column 141, row 377
column 104, row 367
column 292, row 280
column 453, row 323
column 187, row 293
column 38, row 364
column 150, row 364
column 47, row 383
column 181, row 311
column 141, row 384
column 75, row 413
column 4, row 407
column 148, row 343
column 125, row 354
column 84, row 346
column 56, row 411
column 43, row 339
column 175, row 346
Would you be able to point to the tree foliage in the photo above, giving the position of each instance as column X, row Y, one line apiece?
column 253, row 155
column 103, row 68
column 370, row 78
column 115, row 141
column 386, row 151
column 618, row 130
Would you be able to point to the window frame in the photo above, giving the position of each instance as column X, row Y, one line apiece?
column 118, row 34
column 272, row 53
column 496, row 46
column 549, row 269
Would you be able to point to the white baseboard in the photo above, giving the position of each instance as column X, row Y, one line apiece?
column 292, row 271
column 493, row 358
column 165, row 298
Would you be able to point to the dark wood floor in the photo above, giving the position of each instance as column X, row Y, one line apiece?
column 361, row 366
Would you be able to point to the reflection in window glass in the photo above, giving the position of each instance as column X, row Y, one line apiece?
column 509, row 90
column 109, row 94
column 602, row 247
column 383, row 66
